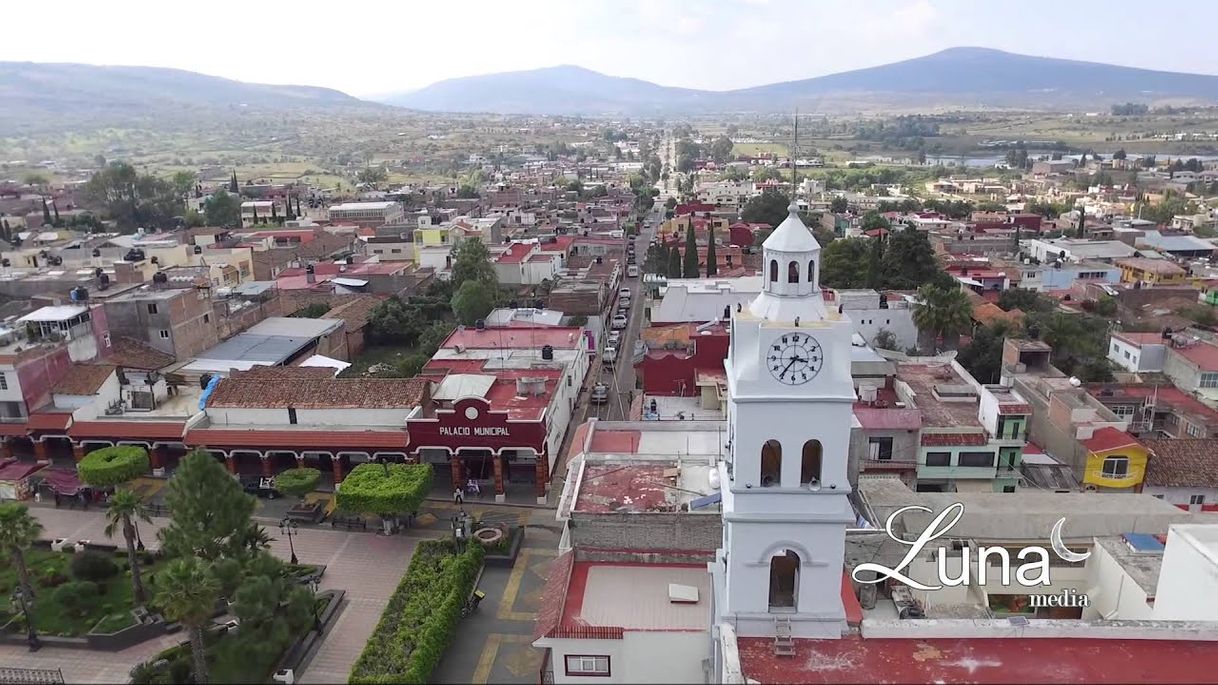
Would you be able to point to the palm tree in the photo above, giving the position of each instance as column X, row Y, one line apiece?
column 18, row 530
column 941, row 313
column 125, row 509
column 187, row 592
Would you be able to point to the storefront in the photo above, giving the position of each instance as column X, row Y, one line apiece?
column 478, row 442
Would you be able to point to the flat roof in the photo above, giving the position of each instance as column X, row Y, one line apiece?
column 351, row 206
column 516, row 338
column 61, row 312
column 634, row 596
column 295, row 327
column 925, row 379
column 979, row 660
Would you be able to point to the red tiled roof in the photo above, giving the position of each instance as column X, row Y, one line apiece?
column 83, row 379
column 1108, row 438
column 306, row 439
column 49, row 421
column 13, row 429
column 873, row 418
column 980, row 660
column 515, row 253
column 954, row 439
column 1014, row 408
column 314, row 388
column 1182, row 463
column 135, row 354
column 554, row 596
column 128, row 430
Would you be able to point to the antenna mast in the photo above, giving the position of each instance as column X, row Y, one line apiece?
column 794, row 154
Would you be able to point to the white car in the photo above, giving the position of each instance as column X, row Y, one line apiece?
column 615, row 337
column 624, row 292
column 619, row 322
column 610, row 355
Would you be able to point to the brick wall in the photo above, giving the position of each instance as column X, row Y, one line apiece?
column 661, row 531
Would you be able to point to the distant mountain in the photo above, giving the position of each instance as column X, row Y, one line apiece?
column 35, row 93
column 553, row 90
column 958, row 77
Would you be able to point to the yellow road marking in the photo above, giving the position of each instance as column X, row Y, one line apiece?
column 490, row 650
column 508, row 601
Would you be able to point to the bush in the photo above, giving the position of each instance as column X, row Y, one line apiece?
column 367, row 490
column 111, row 466
column 52, row 577
column 421, row 616
column 297, row 482
column 92, row 565
column 77, row 598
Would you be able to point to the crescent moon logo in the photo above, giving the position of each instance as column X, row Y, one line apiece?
column 1059, row 547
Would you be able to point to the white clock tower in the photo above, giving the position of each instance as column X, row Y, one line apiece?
column 784, row 484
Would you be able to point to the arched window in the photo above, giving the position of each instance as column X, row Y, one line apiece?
column 771, row 464
column 784, row 581
column 811, row 271
column 773, row 270
column 793, row 272
column 809, row 465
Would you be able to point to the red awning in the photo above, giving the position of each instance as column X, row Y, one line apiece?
column 128, row 430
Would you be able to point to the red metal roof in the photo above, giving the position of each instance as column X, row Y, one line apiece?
column 554, row 596
column 1204, row 355
column 618, row 442
column 228, row 437
column 980, row 660
column 515, row 253
column 1108, row 438
column 954, row 439
column 128, row 430
column 13, row 429
column 48, row 421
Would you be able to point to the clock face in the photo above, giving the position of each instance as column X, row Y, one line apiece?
column 794, row 358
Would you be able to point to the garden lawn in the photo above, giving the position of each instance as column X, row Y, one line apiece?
column 50, row 569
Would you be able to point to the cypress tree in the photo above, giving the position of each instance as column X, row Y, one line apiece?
column 875, row 269
column 298, row 206
column 209, row 512
column 691, row 253
column 712, row 268
column 46, row 213
column 232, row 185
column 55, row 209
column 674, row 262
column 255, row 219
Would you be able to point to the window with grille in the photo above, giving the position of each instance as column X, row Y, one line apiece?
column 585, row 665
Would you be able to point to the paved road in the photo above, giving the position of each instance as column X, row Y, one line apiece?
column 620, row 376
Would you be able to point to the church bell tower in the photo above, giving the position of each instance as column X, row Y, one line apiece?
column 784, row 484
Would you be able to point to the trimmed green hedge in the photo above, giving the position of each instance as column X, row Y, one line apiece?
column 367, row 490
column 111, row 466
column 421, row 616
column 298, row 482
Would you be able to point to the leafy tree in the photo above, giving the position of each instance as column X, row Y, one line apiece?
column 841, row 263
column 110, row 466
column 909, row 261
column 873, row 220
column 983, row 355
column 132, row 199
column 875, row 263
column 671, row 203
column 125, row 508
column 674, row 262
column 472, row 261
column 412, row 365
column 1119, row 154
column 183, row 183
column 467, row 192
column 210, row 513
column 35, row 179
column 769, row 207
column 18, row 531
column 372, row 175
column 298, row 482
column 839, row 205
column 392, row 322
column 734, row 174
column 690, row 268
column 433, row 336
column 721, row 149
column 473, row 301
column 941, row 313
column 187, row 592
column 885, row 340
column 712, row 268
column 223, row 209
column 766, row 173
column 1025, row 300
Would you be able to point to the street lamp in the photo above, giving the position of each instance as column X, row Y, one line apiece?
column 288, row 527
column 26, row 602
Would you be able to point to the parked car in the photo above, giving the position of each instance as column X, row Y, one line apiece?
column 624, row 292
column 632, row 271
column 260, row 487
column 609, row 356
column 619, row 322
column 600, row 394
column 615, row 337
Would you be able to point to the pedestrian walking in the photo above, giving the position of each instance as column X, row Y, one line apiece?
column 458, row 496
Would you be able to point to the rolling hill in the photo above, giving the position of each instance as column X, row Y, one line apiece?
column 962, row 77
column 42, row 94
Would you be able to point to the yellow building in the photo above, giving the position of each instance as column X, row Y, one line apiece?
column 1151, row 271
column 1115, row 460
column 429, row 237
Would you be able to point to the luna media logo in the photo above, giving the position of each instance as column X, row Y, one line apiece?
column 1033, row 571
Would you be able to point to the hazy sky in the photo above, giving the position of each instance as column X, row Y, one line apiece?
column 376, row 47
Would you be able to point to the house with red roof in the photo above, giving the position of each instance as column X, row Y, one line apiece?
column 1193, row 366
